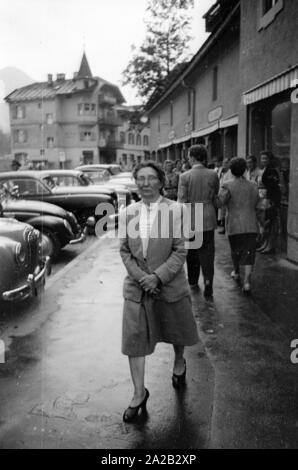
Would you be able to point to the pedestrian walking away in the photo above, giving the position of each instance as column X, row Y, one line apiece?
column 241, row 197
column 157, row 305
column 201, row 185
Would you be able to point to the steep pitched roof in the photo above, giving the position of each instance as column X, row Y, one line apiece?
column 85, row 71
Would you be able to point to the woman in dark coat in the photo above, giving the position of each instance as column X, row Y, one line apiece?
column 157, row 304
column 270, row 182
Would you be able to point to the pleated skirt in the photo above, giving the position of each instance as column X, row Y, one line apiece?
column 152, row 321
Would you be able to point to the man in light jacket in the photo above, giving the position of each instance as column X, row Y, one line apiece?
column 201, row 185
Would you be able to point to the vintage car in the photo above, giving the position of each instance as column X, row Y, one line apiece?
column 112, row 168
column 79, row 200
column 78, row 178
column 23, row 269
column 98, row 174
column 57, row 226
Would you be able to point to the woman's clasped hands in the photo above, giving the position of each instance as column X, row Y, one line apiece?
column 150, row 283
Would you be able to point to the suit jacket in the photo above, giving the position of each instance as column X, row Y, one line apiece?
column 165, row 255
column 200, row 185
column 241, row 198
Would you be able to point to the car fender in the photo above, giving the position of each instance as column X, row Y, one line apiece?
column 55, row 224
column 8, row 263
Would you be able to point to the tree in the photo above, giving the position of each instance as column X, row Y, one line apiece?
column 165, row 45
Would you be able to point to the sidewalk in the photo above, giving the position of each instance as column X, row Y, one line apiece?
column 66, row 384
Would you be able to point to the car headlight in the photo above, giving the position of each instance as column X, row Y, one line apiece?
column 20, row 253
column 67, row 226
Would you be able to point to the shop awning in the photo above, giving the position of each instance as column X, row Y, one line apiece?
column 273, row 86
column 205, row 131
column 229, row 122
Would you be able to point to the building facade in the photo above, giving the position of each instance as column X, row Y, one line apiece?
column 133, row 137
column 237, row 95
column 62, row 123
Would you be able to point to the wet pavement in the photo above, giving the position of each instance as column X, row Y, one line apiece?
column 65, row 383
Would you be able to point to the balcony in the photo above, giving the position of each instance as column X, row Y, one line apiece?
column 110, row 144
column 107, row 99
column 109, row 120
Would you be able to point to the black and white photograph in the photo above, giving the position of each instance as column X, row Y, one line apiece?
column 148, row 227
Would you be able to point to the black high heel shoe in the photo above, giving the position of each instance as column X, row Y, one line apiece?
column 132, row 411
column 179, row 380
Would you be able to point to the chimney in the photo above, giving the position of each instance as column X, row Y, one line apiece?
column 60, row 77
column 50, row 79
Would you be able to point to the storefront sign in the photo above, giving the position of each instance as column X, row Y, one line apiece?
column 171, row 135
column 215, row 114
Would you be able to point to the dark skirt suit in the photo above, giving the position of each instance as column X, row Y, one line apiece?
column 168, row 316
column 241, row 198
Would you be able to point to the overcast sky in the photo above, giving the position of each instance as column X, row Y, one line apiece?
column 47, row 36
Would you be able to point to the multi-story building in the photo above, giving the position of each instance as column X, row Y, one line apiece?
column 65, row 122
column 133, row 137
column 237, row 96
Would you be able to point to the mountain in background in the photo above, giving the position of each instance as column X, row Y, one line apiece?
column 10, row 79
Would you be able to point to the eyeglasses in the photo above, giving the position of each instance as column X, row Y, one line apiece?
column 151, row 179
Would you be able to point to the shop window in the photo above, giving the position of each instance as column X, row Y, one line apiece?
column 124, row 159
column 269, row 9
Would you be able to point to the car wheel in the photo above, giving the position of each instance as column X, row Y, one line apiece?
column 50, row 245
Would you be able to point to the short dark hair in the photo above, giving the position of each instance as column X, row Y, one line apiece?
column 252, row 157
column 150, row 164
column 15, row 163
column 198, row 152
column 238, row 166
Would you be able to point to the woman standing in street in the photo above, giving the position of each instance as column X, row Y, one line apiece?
column 171, row 181
column 241, row 197
column 157, row 304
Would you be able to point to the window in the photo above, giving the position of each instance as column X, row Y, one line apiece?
column 188, row 102
column 28, row 186
column 158, row 124
column 18, row 112
column 122, row 137
column 145, row 140
column 87, row 136
column 50, row 142
column 171, row 114
column 215, row 83
column 267, row 5
column 139, row 139
column 124, row 159
column 269, row 9
column 19, row 136
column 49, row 118
column 131, row 138
column 86, row 109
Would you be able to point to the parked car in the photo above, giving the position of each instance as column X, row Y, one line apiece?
column 57, row 226
column 121, row 179
column 79, row 200
column 112, row 168
column 79, row 178
column 22, row 269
